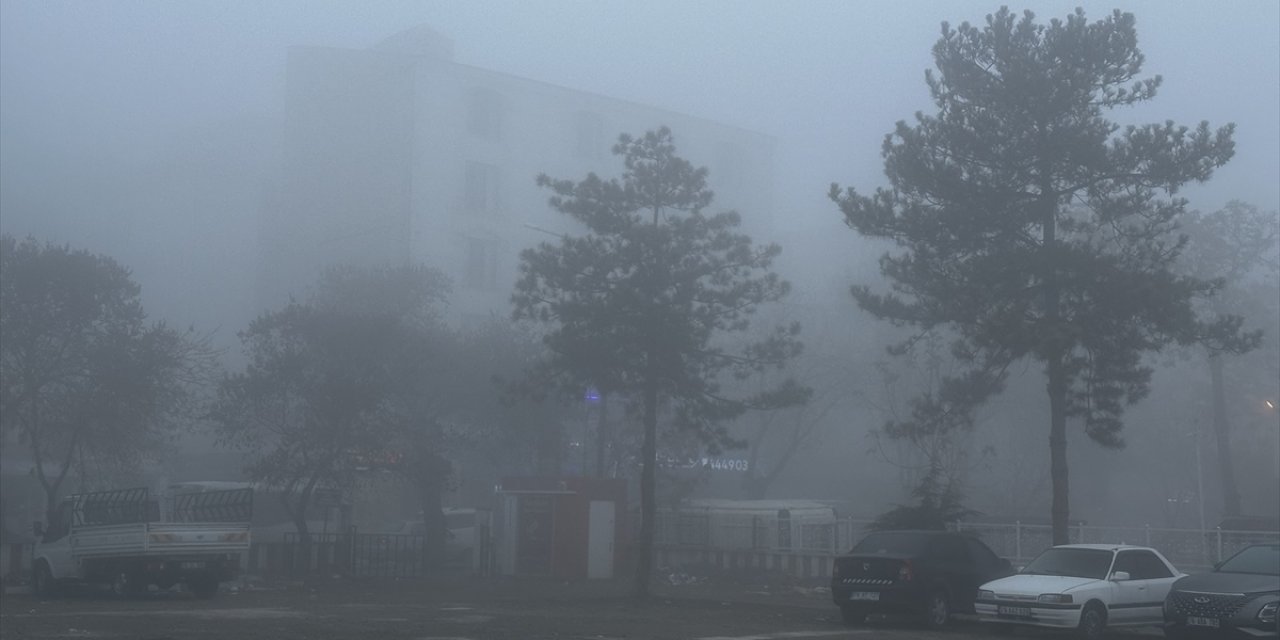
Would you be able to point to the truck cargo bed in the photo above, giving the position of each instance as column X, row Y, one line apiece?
column 160, row 538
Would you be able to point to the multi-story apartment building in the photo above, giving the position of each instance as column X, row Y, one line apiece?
column 399, row 154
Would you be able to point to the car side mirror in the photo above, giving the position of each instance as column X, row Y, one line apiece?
column 1119, row 576
column 37, row 529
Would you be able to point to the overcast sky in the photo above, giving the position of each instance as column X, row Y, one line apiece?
column 118, row 80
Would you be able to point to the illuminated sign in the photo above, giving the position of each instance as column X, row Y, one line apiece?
column 714, row 464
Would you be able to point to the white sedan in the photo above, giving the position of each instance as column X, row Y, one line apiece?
column 1086, row 587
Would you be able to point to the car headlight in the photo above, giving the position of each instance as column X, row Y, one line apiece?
column 986, row 595
column 1268, row 612
column 1055, row 598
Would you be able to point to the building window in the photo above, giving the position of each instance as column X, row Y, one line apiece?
column 482, row 264
column 484, row 114
column 482, row 189
column 588, row 131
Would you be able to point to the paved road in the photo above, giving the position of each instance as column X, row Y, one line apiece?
column 414, row 611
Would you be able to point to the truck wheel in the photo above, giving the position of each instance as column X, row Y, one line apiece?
column 203, row 587
column 42, row 581
column 127, row 585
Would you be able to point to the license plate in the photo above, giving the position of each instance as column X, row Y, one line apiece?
column 1193, row 621
column 193, row 565
column 870, row 596
column 1022, row 612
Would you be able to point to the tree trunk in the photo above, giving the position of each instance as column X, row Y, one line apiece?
column 603, row 436
column 300, row 518
column 301, row 560
column 1222, row 437
column 300, row 508
column 431, row 476
column 1060, row 510
column 1058, row 450
column 753, row 485
column 550, row 451
column 436, row 530
column 300, row 524
column 648, row 500
column 52, row 490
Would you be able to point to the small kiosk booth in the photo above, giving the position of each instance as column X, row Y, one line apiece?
column 568, row 528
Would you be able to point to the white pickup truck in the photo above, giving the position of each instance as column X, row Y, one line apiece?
column 132, row 540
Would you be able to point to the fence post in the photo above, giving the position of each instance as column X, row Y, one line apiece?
column 1147, row 529
column 1219, row 531
column 1017, row 541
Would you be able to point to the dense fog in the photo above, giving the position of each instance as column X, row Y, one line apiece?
column 159, row 133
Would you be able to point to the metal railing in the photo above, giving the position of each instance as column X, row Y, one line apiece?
column 368, row 555
column 751, row 532
column 231, row 505
column 118, row 506
column 1189, row 549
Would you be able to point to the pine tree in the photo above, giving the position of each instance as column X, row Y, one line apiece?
column 1036, row 228
column 641, row 303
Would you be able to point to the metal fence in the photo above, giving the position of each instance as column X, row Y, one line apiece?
column 1189, row 549
column 747, row 532
column 365, row 555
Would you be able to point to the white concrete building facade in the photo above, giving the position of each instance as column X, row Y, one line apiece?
column 399, row 154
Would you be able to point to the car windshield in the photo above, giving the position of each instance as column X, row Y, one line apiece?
column 1079, row 563
column 892, row 543
column 1262, row 559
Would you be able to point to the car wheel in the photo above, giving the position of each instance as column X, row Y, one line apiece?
column 1093, row 622
column 938, row 610
column 42, row 581
column 852, row 617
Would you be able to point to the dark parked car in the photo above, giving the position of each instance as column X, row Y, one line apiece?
column 927, row 573
column 1238, row 599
